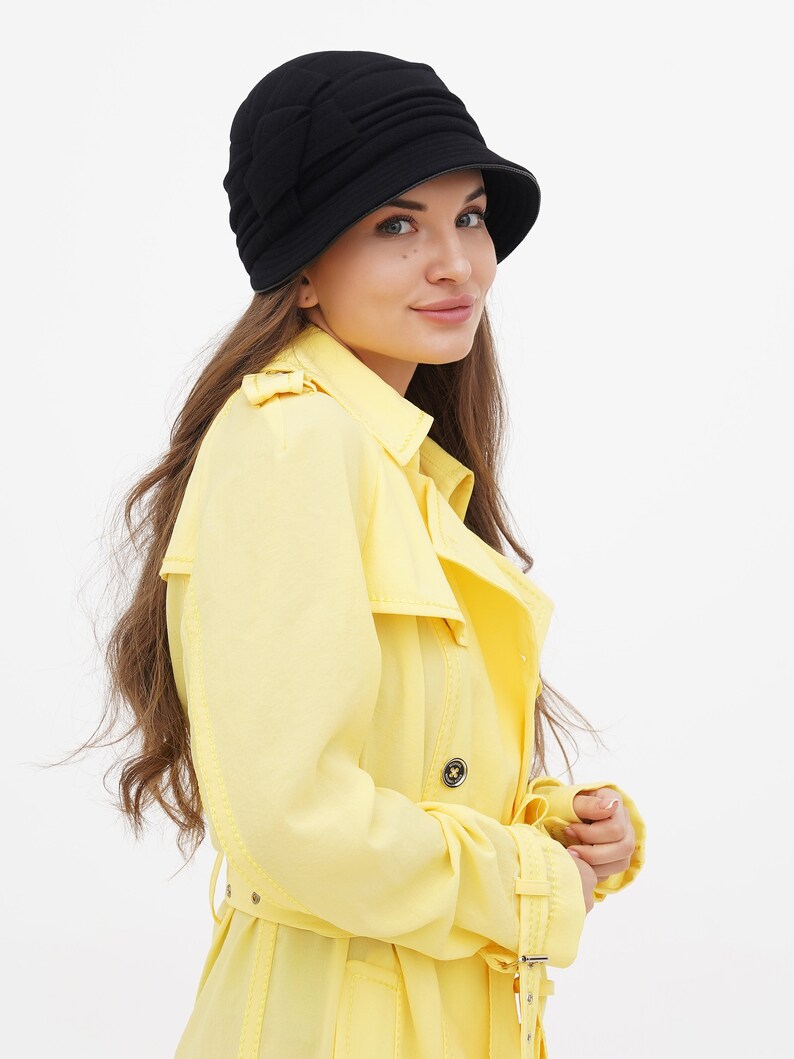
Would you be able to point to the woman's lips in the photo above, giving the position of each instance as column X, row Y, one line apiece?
column 449, row 316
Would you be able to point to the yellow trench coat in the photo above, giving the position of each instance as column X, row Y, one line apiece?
column 359, row 670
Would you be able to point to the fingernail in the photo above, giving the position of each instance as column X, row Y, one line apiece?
column 608, row 805
column 573, row 852
column 569, row 831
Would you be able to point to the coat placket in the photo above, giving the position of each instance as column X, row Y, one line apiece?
column 531, row 986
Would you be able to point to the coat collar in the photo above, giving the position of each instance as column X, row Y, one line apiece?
column 398, row 424
column 444, row 482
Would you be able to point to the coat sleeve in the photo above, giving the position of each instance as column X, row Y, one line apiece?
column 283, row 668
column 550, row 808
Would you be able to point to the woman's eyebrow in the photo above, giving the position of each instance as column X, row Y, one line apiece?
column 409, row 204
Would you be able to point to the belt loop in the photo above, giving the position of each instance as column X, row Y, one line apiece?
column 213, row 883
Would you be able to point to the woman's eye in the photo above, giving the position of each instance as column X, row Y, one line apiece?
column 391, row 225
column 388, row 226
column 482, row 214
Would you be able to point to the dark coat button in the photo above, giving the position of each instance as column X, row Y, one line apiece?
column 454, row 772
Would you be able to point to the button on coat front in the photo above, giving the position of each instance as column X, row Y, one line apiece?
column 359, row 671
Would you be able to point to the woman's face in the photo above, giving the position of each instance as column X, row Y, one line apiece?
column 371, row 287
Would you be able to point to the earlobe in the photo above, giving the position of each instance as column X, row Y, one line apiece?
column 307, row 298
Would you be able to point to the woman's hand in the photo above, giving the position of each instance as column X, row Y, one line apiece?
column 589, row 880
column 605, row 837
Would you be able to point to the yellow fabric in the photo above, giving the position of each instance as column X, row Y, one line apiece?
column 557, row 812
column 338, row 635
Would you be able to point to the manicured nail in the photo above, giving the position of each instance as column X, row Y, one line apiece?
column 608, row 805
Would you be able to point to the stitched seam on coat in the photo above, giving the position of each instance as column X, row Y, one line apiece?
column 398, row 1023
column 258, row 870
column 367, row 978
column 318, row 373
column 265, row 988
column 548, row 872
column 282, row 432
column 491, row 1005
column 411, row 433
column 417, row 602
column 539, row 867
column 199, row 670
column 528, row 902
column 524, row 854
column 447, row 716
column 371, row 978
column 225, row 409
column 223, row 412
column 260, row 927
column 371, row 507
column 444, row 471
column 554, row 898
column 454, row 477
column 518, row 578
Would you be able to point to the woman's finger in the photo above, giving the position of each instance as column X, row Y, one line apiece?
column 596, row 805
column 612, row 867
column 589, row 880
column 606, row 852
column 615, row 866
column 610, row 830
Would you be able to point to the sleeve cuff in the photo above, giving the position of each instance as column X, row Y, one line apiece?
column 547, row 870
column 620, row 880
column 550, row 805
column 549, row 808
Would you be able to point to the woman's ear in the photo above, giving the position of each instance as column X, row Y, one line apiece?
column 307, row 296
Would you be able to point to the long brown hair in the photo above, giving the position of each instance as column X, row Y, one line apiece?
column 465, row 398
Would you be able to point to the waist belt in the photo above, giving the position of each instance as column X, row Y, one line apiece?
column 242, row 895
column 530, row 984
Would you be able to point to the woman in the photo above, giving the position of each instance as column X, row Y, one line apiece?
column 339, row 670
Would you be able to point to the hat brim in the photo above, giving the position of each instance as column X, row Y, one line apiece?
column 513, row 202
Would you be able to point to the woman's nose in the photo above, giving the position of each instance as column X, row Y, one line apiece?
column 448, row 259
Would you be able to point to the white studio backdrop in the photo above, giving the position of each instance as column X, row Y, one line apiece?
column 645, row 329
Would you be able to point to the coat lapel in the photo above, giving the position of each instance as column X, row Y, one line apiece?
column 454, row 542
column 400, row 563
column 403, row 576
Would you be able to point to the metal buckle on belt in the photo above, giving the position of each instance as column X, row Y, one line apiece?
column 517, row 984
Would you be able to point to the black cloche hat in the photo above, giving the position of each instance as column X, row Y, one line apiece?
column 330, row 136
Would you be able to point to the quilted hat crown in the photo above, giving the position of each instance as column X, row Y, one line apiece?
column 324, row 138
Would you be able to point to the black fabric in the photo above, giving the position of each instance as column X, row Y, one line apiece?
column 327, row 137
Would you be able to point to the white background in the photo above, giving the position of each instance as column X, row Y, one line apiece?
column 646, row 336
